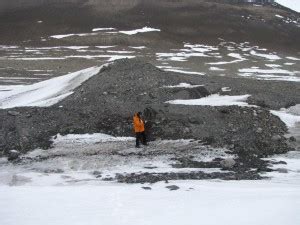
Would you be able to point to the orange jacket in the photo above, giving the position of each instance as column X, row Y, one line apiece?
column 138, row 124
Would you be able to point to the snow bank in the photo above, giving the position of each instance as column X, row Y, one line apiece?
column 46, row 93
column 215, row 100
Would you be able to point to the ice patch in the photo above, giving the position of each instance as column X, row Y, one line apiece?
column 214, row 100
column 46, row 93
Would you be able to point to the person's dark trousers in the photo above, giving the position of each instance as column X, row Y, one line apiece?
column 140, row 136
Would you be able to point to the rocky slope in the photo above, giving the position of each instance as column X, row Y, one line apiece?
column 188, row 21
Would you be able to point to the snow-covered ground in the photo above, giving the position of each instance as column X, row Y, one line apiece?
column 61, row 186
column 210, row 203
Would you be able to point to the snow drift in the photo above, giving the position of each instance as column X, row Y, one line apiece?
column 46, row 93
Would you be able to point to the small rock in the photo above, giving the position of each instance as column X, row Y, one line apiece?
column 172, row 187
column 186, row 130
column 224, row 111
column 292, row 139
column 282, row 170
column 13, row 155
column 147, row 188
column 13, row 113
column 228, row 163
column 276, row 138
column 259, row 130
column 96, row 173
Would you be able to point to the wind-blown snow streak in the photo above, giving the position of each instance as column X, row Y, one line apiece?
column 215, row 100
column 46, row 93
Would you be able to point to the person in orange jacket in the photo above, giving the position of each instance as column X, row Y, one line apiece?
column 139, row 129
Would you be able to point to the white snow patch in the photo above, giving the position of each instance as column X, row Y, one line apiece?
column 183, row 85
column 273, row 65
column 266, row 71
column 106, row 46
column 184, row 72
column 61, row 36
column 120, row 52
column 287, row 116
column 142, row 30
column 46, row 93
column 35, row 58
column 225, row 89
column 216, row 69
column 200, row 48
column 238, row 57
column 88, row 138
column 271, row 77
column 281, row 17
column 293, row 58
column 267, row 56
column 103, row 29
column 137, row 47
column 214, row 100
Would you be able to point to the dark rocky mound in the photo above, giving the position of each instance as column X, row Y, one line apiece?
column 106, row 102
